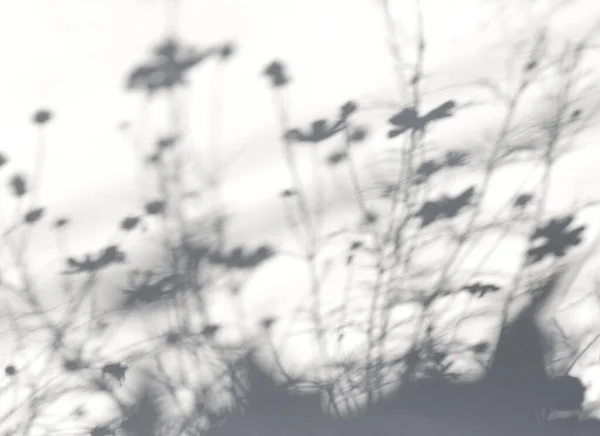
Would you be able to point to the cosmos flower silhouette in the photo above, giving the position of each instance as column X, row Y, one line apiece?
column 277, row 74
column 409, row 119
column 117, row 370
column 146, row 288
column 167, row 68
column 240, row 259
column 444, row 207
column 318, row 131
column 556, row 239
column 406, row 119
column 108, row 256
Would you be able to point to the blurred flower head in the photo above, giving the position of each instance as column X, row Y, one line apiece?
column 167, row 141
column 167, row 68
column 18, row 185
column 130, row 223
column 359, row 134
column 456, row 158
column 10, row 370
column 522, row 200
column 210, row 330
column 370, row 218
column 155, row 207
column 337, row 157
column 319, row 130
column 348, row 109
column 173, row 338
column 226, row 51
column 116, row 370
column 72, row 364
column 426, row 170
column 34, row 215
column 42, row 116
column 61, row 222
column 275, row 71
column 267, row 323
column 286, row 193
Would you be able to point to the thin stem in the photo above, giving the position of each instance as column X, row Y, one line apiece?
column 395, row 51
column 37, row 182
column 358, row 193
column 307, row 219
column 39, row 166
